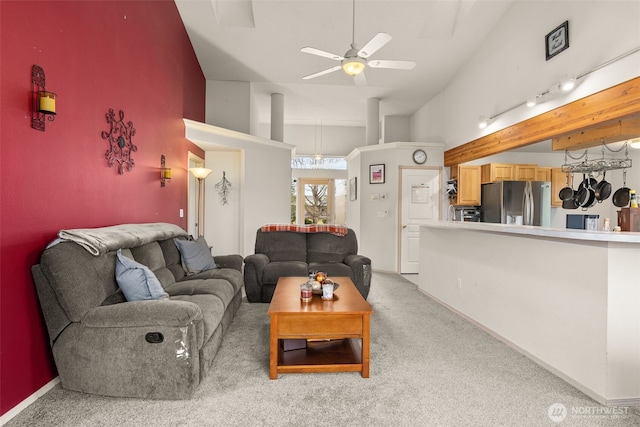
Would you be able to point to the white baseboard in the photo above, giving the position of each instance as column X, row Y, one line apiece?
column 28, row 401
column 586, row 390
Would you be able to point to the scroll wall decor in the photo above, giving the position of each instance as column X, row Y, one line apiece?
column 224, row 189
column 120, row 142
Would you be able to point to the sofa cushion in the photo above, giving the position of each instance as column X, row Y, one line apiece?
column 172, row 257
column 274, row 270
column 213, row 298
column 234, row 277
column 152, row 256
column 327, row 247
column 282, row 245
column 332, row 269
column 195, row 255
column 136, row 280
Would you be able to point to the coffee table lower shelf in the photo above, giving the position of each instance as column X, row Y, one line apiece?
column 341, row 355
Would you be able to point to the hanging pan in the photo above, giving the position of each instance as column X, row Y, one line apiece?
column 583, row 194
column 591, row 193
column 567, row 192
column 603, row 189
column 621, row 196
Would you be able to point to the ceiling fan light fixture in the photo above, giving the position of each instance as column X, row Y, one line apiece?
column 353, row 66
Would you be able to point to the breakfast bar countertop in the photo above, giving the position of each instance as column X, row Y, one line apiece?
column 549, row 232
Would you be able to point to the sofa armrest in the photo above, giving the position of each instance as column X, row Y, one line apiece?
column 253, row 267
column 163, row 312
column 229, row 261
column 361, row 266
column 356, row 261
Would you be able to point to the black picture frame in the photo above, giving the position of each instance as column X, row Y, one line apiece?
column 376, row 174
column 557, row 40
column 353, row 189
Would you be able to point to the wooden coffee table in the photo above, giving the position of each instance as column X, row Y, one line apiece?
column 337, row 331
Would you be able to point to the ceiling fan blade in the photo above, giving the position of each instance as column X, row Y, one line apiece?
column 374, row 44
column 360, row 79
column 322, row 73
column 396, row 65
column 318, row 52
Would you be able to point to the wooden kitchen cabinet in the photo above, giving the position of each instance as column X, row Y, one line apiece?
column 543, row 174
column 468, row 181
column 558, row 182
column 524, row 172
column 492, row 172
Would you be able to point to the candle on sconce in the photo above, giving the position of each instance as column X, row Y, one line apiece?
column 167, row 173
column 47, row 103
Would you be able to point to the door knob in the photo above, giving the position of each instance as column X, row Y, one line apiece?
column 404, row 226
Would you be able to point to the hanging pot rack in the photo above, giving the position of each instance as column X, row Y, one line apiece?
column 585, row 165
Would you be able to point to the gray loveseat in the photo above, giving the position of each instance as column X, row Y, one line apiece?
column 294, row 253
column 103, row 344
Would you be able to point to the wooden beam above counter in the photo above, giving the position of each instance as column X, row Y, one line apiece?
column 621, row 130
column 620, row 103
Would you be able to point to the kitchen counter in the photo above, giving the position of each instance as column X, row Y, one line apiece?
column 559, row 233
column 567, row 299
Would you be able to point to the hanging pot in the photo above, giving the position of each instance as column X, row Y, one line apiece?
column 621, row 196
column 591, row 193
column 570, row 204
column 583, row 195
column 567, row 192
column 603, row 189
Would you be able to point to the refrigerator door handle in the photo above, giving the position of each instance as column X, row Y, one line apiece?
column 528, row 201
column 532, row 206
column 525, row 205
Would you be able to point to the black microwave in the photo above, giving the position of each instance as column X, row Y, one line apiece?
column 583, row 222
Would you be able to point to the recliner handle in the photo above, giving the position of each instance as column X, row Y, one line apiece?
column 154, row 337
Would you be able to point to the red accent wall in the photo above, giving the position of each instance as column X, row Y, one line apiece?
column 133, row 56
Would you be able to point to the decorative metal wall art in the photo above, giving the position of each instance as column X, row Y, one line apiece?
column 43, row 102
column 120, row 143
column 224, row 189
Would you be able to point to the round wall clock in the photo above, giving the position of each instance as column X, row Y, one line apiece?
column 419, row 156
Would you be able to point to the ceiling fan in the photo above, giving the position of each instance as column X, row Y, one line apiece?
column 354, row 61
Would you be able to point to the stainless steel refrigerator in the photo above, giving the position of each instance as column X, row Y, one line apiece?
column 516, row 202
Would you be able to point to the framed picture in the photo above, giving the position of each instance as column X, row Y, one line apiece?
column 376, row 174
column 353, row 189
column 557, row 40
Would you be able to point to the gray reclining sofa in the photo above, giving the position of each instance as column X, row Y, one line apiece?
column 103, row 344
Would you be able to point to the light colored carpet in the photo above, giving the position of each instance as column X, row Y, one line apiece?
column 429, row 367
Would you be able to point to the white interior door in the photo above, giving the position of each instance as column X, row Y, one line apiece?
column 420, row 201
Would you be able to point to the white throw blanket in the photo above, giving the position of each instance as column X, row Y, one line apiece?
column 101, row 240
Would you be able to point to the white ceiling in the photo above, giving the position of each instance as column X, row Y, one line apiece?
column 259, row 41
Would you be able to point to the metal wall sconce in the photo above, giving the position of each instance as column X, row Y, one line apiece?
column 43, row 102
column 165, row 173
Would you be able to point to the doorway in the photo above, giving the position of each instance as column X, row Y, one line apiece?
column 419, row 202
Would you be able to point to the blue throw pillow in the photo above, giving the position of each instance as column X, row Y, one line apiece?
column 136, row 280
column 195, row 255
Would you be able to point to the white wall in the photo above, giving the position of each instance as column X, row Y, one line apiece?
column 510, row 65
column 228, row 105
column 583, row 324
column 376, row 221
column 395, row 128
column 222, row 228
column 336, row 140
